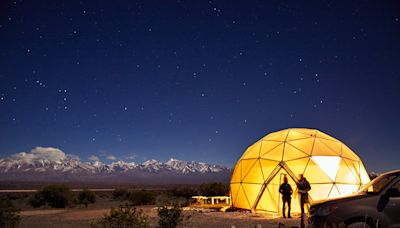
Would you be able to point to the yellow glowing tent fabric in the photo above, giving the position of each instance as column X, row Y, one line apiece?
column 331, row 167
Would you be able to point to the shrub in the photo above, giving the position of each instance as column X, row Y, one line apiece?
column 166, row 199
column 36, row 200
column 170, row 216
column 9, row 215
column 120, row 194
column 141, row 197
column 123, row 216
column 85, row 197
column 184, row 192
column 214, row 189
column 54, row 195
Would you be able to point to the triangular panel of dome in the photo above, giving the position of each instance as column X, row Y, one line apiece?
column 247, row 164
column 320, row 191
column 305, row 131
column 253, row 151
column 328, row 164
column 236, row 175
column 346, row 174
column 335, row 146
column 348, row 153
column 267, row 167
column 274, row 154
column 234, row 188
column 297, row 166
column 363, row 174
column 315, row 174
column 274, row 197
column 254, row 175
column 267, row 202
column 277, row 136
column 305, row 145
column 320, row 149
column 290, row 152
column 354, row 167
column 251, row 191
column 268, row 146
column 241, row 200
column 295, row 135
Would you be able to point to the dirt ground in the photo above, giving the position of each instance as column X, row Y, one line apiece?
column 81, row 217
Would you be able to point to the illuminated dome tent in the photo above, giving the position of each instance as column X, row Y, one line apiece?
column 331, row 167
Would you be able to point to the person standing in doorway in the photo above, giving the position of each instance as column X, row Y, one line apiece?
column 286, row 190
column 303, row 188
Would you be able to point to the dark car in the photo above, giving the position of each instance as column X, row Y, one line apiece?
column 377, row 204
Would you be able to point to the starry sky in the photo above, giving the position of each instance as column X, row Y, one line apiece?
column 198, row 80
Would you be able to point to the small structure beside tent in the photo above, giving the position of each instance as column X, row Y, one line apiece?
column 226, row 200
column 212, row 202
column 331, row 167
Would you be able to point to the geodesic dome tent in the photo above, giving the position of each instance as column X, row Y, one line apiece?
column 331, row 167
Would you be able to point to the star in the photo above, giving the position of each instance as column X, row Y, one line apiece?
column 95, row 73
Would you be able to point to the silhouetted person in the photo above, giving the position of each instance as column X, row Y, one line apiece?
column 303, row 188
column 286, row 190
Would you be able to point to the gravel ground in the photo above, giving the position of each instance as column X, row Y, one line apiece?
column 81, row 217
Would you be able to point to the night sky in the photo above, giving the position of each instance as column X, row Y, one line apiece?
column 198, row 80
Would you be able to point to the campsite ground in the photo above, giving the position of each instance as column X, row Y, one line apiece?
column 81, row 217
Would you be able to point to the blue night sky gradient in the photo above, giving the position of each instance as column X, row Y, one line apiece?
column 198, row 80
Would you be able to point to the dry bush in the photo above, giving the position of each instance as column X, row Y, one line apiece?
column 141, row 197
column 9, row 215
column 86, row 197
column 123, row 216
column 170, row 216
column 54, row 195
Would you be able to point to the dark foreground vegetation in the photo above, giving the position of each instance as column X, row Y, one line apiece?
column 123, row 216
column 169, row 203
column 55, row 195
column 9, row 214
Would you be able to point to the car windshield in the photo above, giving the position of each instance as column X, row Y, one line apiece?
column 378, row 183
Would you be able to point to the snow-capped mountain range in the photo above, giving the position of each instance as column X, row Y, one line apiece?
column 71, row 165
column 42, row 163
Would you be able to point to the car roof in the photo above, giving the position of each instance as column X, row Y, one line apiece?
column 391, row 172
